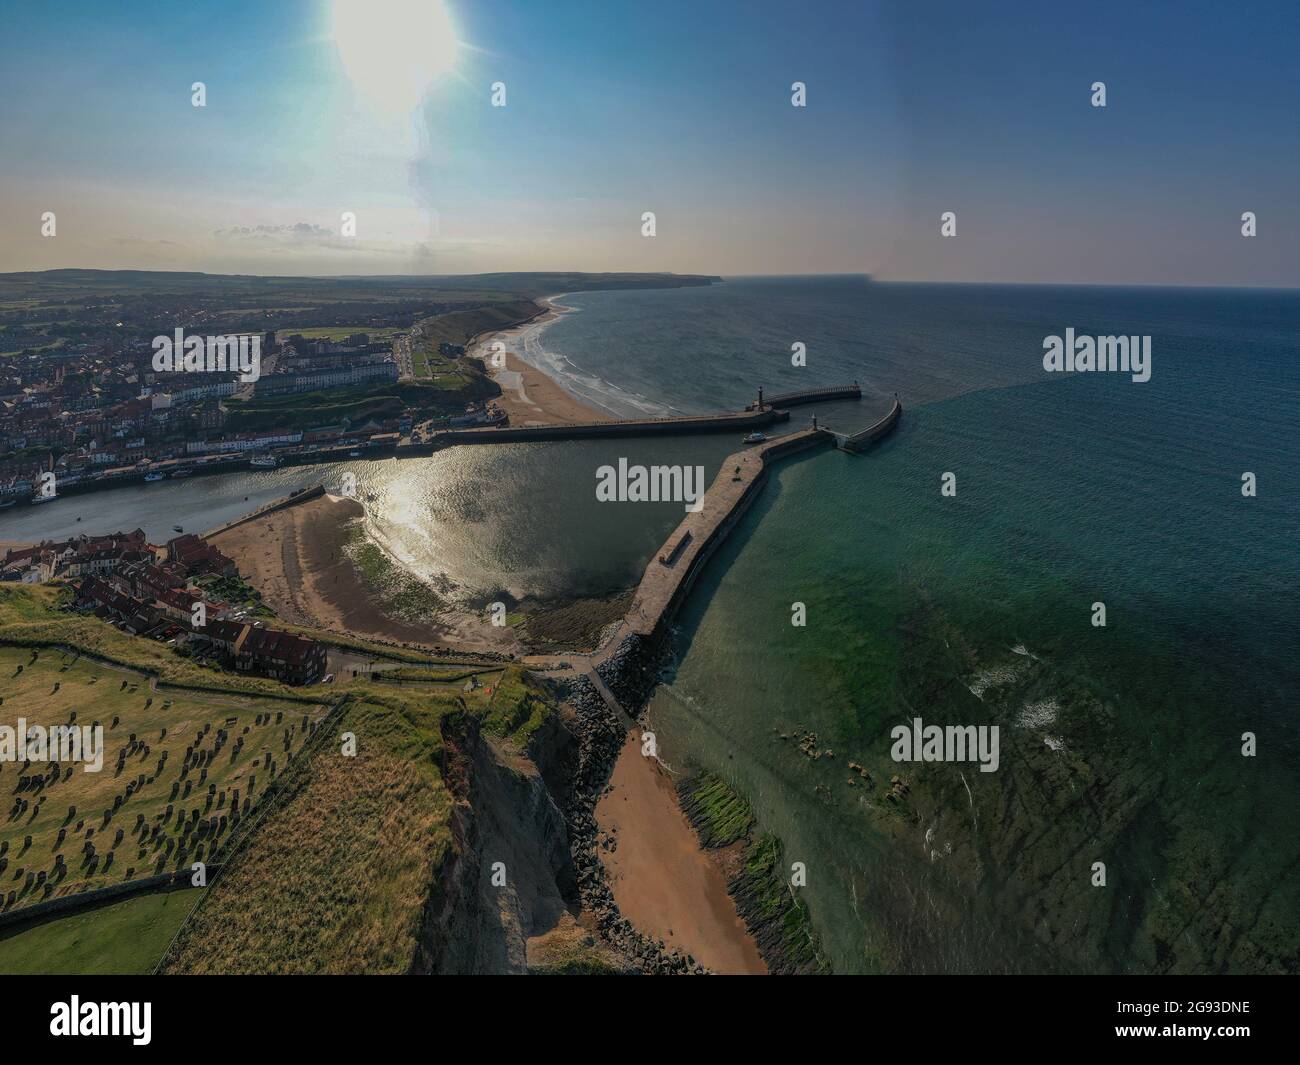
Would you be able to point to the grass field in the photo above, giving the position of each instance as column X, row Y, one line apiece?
column 331, row 867
column 447, row 393
column 342, row 332
column 336, row 879
column 125, row 938
column 354, row 898
column 458, row 327
column 180, row 771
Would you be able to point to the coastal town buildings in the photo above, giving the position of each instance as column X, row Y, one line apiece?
column 275, row 653
column 99, row 413
column 314, row 380
column 150, row 591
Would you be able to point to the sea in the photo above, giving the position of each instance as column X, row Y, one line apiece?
column 1145, row 813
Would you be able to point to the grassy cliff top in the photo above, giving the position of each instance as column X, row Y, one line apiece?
column 332, row 826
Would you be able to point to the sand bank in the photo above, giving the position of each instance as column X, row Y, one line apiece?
column 663, row 882
column 296, row 558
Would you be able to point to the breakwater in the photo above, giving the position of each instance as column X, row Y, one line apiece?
column 808, row 395
column 754, row 416
column 740, row 421
column 704, row 423
column 672, row 571
column 864, row 438
column 627, row 662
column 302, row 495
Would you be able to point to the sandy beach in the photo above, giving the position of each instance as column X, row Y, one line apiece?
column 664, row 883
column 529, row 396
column 295, row 558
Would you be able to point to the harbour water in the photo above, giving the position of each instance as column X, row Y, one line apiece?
column 520, row 520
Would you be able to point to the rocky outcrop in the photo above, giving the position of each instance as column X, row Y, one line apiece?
column 775, row 915
column 632, row 672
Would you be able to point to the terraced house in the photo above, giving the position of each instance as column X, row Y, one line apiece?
column 274, row 653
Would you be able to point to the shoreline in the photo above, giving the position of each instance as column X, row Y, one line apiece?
column 661, row 891
column 530, row 395
column 668, row 894
column 296, row 557
column 672, row 890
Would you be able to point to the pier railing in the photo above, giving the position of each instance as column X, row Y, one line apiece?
column 811, row 395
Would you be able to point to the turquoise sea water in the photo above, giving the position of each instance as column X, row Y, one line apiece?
column 1120, row 745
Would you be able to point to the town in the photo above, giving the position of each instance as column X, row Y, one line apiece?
column 98, row 415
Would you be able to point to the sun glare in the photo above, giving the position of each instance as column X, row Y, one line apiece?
column 393, row 50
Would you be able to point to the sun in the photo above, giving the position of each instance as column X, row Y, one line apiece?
column 393, row 50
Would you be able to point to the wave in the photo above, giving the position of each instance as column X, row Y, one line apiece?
column 529, row 344
column 1038, row 715
column 992, row 677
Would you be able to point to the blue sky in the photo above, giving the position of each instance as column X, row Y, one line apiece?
column 682, row 109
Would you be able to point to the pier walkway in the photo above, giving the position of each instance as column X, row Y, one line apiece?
column 690, row 423
column 673, row 570
column 809, row 395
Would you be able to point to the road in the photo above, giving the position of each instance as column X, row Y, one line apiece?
column 402, row 346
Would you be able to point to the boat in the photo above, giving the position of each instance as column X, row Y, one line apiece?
column 180, row 473
column 264, row 462
column 755, row 438
column 44, row 499
column 354, row 454
column 155, row 476
column 177, row 528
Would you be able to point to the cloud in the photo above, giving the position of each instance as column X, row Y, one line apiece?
column 297, row 235
column 142, row 241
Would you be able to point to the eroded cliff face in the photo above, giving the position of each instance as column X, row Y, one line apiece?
column 523, row 888
column 510, row 879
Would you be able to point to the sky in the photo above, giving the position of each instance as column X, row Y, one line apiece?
column 383, row 110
